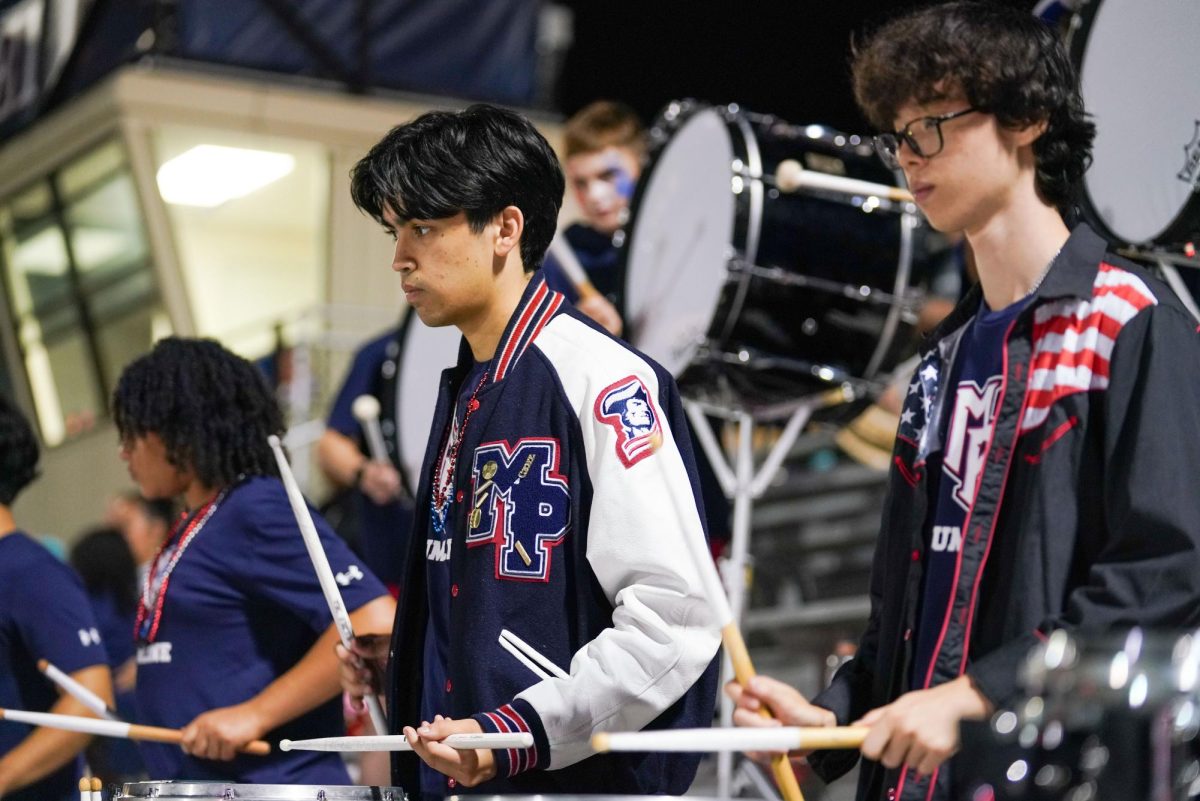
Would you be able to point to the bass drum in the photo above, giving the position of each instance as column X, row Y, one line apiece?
column 410, row 393
column 1138, row 64
column 750, row 296
column 179, row 790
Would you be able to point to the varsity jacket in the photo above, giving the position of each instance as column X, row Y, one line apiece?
column 1086, row 515
column 572, row 497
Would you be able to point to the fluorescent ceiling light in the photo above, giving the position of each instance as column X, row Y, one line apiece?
column 209, row 175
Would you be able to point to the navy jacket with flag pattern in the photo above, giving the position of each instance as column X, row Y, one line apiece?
column 1086, row 515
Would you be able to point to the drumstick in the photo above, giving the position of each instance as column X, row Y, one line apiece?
column 366, row 412
column 782, row 738
column 791, row 176
column 114, row 728
column 85, row 789
column 97, row 788
column 562, row 252
column 398, row 742
column 320, row 562
column 743, row 668
column 83, row 695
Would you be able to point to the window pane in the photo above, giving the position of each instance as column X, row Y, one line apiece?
column 252, row 252
column 128, row 318
column 106, row 231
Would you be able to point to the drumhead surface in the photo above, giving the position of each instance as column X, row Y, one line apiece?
column 424, row 354
column 167, row 790
column 680, row 241
column 1139, row 68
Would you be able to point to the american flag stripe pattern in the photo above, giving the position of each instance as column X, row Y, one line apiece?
column 508, row 720
column 1073, row 340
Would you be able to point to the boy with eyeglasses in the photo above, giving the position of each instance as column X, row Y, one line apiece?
column 1041, row 475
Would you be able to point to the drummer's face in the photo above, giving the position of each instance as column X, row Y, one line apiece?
column 603, row 183
column 446, row 269
column 969, row 180
column 146, row 457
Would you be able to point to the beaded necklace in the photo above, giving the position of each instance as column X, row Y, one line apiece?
column 154, row 588
column 448, row 460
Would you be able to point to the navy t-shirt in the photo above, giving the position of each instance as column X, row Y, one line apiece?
column 44, row 614
column 598, row 257
column 384, row 529
column 439, row 583
column 967, row 426
column 242, row 607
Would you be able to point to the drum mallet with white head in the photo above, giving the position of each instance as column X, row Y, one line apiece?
column 790, row 176
column 366, row 412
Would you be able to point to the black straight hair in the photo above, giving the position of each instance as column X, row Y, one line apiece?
column 477, row 161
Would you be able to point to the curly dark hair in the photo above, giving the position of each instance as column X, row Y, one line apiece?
column 18, row 452
column 103, row 560
column 212, row 409
column 477, row 161
column 1006, row 62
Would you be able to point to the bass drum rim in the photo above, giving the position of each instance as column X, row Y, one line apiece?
column 674, row 117
column 1186, row 223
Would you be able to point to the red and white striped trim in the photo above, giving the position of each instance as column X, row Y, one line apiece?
column 1074, row 340
column 508, row 720
column 531, row 319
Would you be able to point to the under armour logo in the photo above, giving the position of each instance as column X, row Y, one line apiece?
column 89, row 637
column 352, row 574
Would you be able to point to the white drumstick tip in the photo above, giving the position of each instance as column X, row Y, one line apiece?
column 274, row 442
column 365, row 407
column 285, row 745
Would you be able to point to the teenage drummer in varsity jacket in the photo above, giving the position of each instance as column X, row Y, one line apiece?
column 555, row 499
column 1043, row 474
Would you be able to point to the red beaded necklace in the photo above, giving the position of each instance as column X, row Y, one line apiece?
column 145, row 625
column 448, row 457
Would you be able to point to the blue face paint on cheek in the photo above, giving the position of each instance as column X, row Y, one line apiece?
column 624, row 184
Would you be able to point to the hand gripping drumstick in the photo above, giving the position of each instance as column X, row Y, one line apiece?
column 561, row 250
column 320, row 562
column 743, row 669
column 784, row 738
column 83, row 695
column 366, row 412
column 791, row 176
column 398, row 742
column 115, row 728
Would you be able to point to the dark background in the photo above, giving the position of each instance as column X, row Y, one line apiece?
column 784, row 57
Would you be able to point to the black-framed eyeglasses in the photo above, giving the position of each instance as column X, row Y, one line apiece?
column 923, row 136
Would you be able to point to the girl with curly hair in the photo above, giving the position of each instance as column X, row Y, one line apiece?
column 235, row 641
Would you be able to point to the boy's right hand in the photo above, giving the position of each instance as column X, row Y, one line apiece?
column 786, row 705
column 361, row 670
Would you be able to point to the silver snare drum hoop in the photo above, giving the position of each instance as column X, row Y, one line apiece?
column 1138, row 64
column 171, row 790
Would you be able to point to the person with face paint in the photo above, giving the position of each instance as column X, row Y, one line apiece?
column 604, row 145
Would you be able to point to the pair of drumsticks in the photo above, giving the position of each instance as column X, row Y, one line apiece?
column 698, row 740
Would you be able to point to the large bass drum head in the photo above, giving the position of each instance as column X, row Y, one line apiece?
column 1139, row 65
column 679, row 240
column 424, row 353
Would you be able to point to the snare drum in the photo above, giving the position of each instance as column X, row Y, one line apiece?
column 751, row 296
column 170, row 790
column 1102, row 719
column 1138, row 64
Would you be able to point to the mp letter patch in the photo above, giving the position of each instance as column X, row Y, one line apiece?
column 521, row 503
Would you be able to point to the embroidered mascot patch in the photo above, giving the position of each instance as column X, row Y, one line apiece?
column 628, row 407
column 521, row 503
